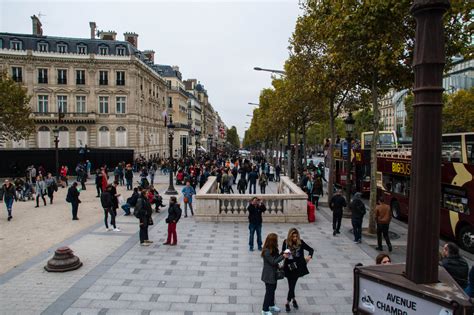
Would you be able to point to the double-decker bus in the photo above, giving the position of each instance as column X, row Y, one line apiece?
column 360, row 160
column 457, row 186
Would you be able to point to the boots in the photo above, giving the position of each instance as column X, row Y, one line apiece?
column 9, row 215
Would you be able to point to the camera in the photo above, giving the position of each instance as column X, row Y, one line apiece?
column 292, row 266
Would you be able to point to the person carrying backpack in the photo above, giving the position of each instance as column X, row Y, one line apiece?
column 357, row 208
column 143, row 212
column 106, row 199
column 174, row 214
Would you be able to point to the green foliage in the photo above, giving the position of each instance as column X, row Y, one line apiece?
column 15, row 120
column 233, row 138
column 458, row 112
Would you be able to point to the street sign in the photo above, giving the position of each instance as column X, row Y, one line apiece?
column 345, row 149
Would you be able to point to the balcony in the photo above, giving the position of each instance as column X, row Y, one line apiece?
column 69, row 118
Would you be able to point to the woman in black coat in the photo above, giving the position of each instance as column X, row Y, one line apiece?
column 174, row 214
column 271, row 258
column 295, row 264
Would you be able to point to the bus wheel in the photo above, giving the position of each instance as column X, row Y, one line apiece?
column 466, row 238
column 395, row 207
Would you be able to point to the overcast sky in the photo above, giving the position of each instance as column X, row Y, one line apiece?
column 216, row 42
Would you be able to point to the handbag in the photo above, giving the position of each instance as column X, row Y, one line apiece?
column 280, row 273
column 186, row 199
column 150, row 221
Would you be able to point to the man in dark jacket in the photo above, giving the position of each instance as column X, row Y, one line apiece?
column 253, row 176
column 73, row 198
column 143, row 212
column 174, row 214
column 129, row 177
column 8, row 194
column 98, row 182
column 107, row 205
column 336, row 205
column 357, row 208
column 242, row 185
column 454, row 264
column 255, row 210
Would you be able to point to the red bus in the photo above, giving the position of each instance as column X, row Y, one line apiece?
column 457, row 186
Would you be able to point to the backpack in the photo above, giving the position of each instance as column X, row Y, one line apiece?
column 138, row 208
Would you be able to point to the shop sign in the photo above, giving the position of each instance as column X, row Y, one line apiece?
column 377, row 298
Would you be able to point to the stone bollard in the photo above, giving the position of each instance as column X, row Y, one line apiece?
column 63, row 260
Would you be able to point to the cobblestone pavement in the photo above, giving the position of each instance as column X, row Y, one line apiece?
column 210, row 271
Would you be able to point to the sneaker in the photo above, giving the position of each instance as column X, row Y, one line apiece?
column 274, row 308
column 287, row 308
column 10, row 217
column 379, row 248
column 390, row 248
column 166, row 243
column 355, row 242
column 144, row 244
column 116, row 230
column 251, row 249
column 267, row 313
column 334, row 233
column 148, row 241
column 359, row 241
column 108, row 230
column 337, row 232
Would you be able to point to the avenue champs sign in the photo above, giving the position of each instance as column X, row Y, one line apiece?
column 376, row 298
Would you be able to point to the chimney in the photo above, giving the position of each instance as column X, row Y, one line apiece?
column 150, row 55
column 93, row 27
column 132, row 38
column 110, row 35
column 37, row 30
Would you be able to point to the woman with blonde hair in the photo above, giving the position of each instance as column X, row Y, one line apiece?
column 271, row 258
column 296, row 264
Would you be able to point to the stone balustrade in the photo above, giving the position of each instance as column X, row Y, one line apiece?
column 289, row 205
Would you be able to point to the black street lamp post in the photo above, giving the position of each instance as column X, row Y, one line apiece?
column 56, row 147
column 349, row 121
column 171, row 190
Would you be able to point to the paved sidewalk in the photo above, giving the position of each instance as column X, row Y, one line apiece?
column 210, row 271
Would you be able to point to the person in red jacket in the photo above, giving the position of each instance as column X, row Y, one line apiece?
column 105, row 178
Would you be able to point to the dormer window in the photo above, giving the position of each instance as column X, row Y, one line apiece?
column 103, row 50
column 62, row 48
column 43, row 47
column 82, row 49
column 16, row 45
column 120, row 51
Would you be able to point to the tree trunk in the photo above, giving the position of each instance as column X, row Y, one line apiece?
column 330, row 160
column 305, row 161
column 373, row 156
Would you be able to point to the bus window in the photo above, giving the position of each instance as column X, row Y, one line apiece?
column 386, row 140
column 470, row 148
column 451, row 149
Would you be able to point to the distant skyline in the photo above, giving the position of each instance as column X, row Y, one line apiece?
column 216, row 42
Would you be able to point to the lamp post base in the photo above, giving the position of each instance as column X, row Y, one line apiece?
column 171, row 191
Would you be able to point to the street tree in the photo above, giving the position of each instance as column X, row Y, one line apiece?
column 233, row 138
column 15, row 113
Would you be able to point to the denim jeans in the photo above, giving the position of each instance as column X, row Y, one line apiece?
column 8, row 202
column 129, row 184
column 254, row 185
column 255, row 228
column 357, row 229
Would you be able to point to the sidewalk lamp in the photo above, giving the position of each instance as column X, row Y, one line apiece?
column 56, row 148
column 349, row 122
column 171, row 190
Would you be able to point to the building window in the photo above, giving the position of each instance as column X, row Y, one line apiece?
column 121, row 137
column 16, row 45
column 42, row 103
column 103, row 77
column 62, row 76
column 43, row 47
column 103, row 50
column 44, row 137
column 42, row 75
column 80, row 104
column 17, row 74
column 63, row 137
column 103, row 104
column 81, row 136
column 120, row 51
column 80, row 77
column 120, row 77
column 62, row 103
column 82, row 49
column 120, row 101
column 104, row 137
column 170, row 102
column 62, row 48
